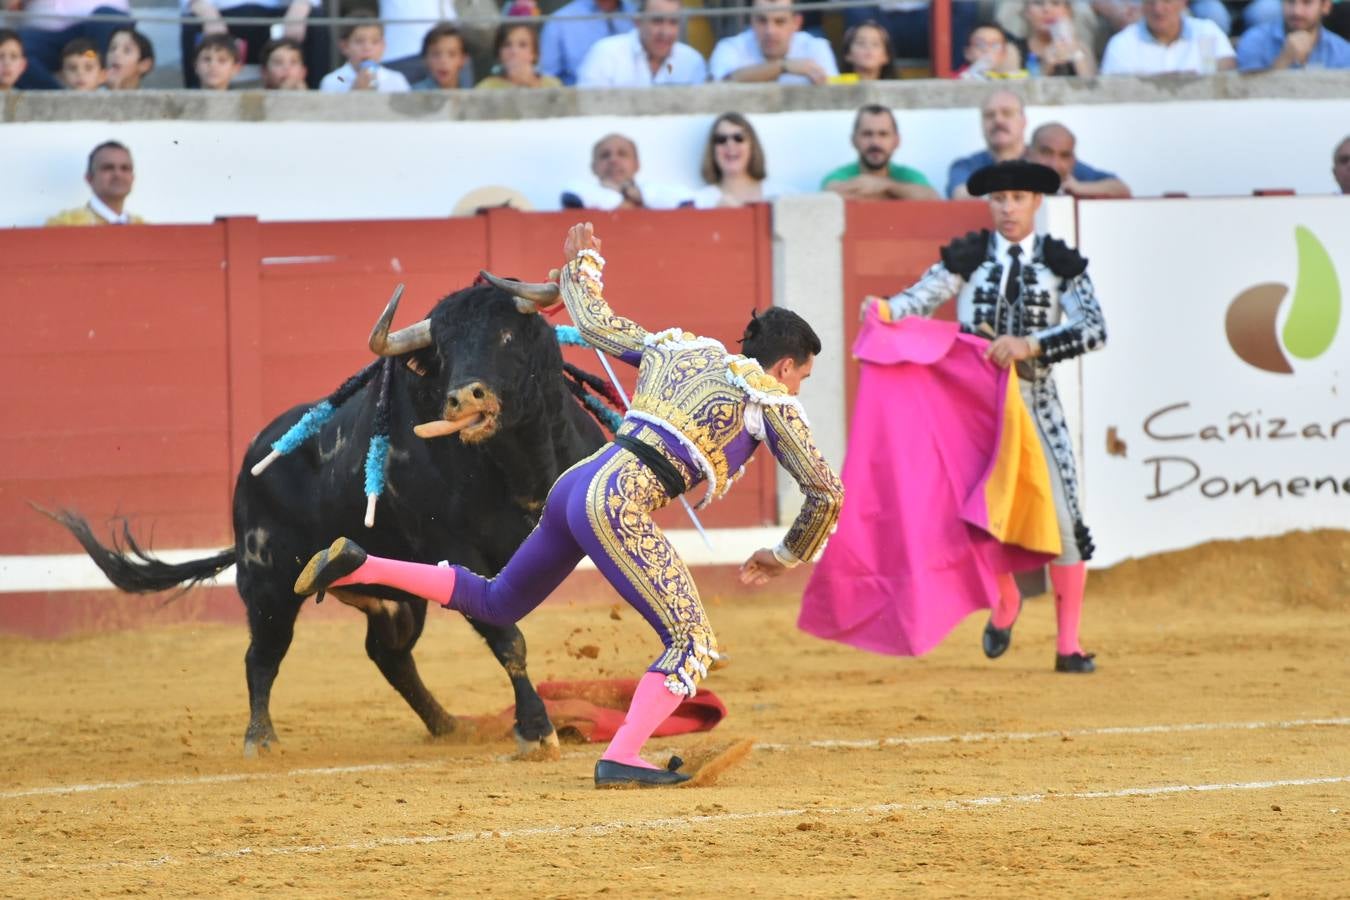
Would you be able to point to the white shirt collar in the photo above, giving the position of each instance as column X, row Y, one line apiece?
column 1001, row 245
column 103, row 211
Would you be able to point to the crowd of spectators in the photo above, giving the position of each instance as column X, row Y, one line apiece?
column 637, row 43
column 734, row 168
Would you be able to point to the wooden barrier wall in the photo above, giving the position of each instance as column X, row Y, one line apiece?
column 887, row 246
column 144, row 359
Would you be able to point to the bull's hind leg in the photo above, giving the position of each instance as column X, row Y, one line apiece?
column 271, row 627
column 392, row 631
column 534, row 731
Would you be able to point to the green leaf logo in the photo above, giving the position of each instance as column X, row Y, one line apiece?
column 1314, row 314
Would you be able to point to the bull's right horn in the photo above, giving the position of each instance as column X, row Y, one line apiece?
column 540, row 294
column 405, row 340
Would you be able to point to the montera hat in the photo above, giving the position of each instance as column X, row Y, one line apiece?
column 1013, row 175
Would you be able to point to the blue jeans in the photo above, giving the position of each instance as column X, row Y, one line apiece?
column 43, row 47
column 909, row 30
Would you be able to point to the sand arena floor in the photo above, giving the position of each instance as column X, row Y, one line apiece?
column 1209, row 756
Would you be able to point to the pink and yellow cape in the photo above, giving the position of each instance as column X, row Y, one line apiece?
column 946, row 487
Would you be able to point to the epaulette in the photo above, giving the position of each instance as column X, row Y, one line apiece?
column 1062, row 259
column 964, row 255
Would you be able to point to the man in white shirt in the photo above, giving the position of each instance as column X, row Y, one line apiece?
column 773, row 49
column 1168, row 40
column 614, row 161
column 650, row 54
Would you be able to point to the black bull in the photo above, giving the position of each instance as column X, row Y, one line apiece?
column 470, row 499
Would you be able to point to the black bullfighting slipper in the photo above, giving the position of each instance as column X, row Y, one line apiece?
column 610, row 774
column 1075, row 662
column 997, row 640
column 341, row 558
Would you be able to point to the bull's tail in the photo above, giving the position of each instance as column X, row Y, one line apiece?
column 134, row 570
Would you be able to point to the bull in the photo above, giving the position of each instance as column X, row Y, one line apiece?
column 483, row 365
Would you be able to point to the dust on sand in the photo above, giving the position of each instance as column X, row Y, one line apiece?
column 1208, row 756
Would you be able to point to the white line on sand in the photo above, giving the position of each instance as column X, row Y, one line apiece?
column 601, row 829
column 970, row 737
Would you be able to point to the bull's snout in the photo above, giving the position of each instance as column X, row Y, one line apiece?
column 469, row 397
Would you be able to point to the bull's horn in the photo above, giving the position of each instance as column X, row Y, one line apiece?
column 542, row 294
column 405, row 340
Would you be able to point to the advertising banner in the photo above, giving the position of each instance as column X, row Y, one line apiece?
column 1220, row 407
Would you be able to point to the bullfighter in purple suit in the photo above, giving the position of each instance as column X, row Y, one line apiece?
column 698, row 415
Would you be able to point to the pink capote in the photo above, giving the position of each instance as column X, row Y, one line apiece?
column 914, row 554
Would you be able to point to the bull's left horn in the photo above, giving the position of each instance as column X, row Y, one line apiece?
column 405, row 340
column 540, row 294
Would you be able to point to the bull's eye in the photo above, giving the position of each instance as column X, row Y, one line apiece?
column 506, row 338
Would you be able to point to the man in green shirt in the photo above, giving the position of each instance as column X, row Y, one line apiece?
column 876, row 137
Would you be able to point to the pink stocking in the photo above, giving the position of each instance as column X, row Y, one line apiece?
column 1069, row 582
column 432, row 583
column 652, row 704
column 1009, row 602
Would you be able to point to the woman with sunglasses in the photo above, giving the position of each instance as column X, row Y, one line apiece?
column 733, row 166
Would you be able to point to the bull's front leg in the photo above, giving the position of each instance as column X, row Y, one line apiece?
column 392, row 630
column 535, row 737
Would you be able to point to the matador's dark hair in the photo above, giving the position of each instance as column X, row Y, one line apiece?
column 776, row 333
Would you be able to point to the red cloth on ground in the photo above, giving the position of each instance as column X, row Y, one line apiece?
column 595, row 709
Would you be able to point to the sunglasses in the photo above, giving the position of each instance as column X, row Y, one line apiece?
column 720, row 139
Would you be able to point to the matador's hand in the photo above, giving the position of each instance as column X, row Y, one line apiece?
column 1006, row 350
column 869, row 301
column 760, row 567
column 580, row 236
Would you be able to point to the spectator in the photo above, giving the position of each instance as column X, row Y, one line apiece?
column 1168, row 40
column 517, row 50
column 773, row 49
column 52, row 24
column 1054, row 37
column 406, row 43
column 734, row 166
column 1004, row 122
column 867, row 52
column 876, row 137
column 649, row 54
column 294, row 15
column 362, row 43
column 13, row 62
column 906, row 21
column 614, row 161
column 567, row 38
column 443, row 57
column 1054, row 145
column 283, row 66
column 81, row 69
column 130, row 58
column 1120, row 14
column 217, row 62
column 991, row 56
column 110, row 176
column 1296, row 42
column 1340, row 165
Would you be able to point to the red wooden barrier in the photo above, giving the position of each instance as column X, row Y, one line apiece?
column 887, row 246
column 144, row 359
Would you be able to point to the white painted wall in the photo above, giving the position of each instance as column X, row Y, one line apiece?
column 193, row 171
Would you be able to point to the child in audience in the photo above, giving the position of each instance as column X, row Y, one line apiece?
column 217, row 62
column 990, row 55
column 363, row 45
column 867, row 52
column 129, row 58
column 13, row 61
column 283, row 65
column 444, row 53
column 81, row 69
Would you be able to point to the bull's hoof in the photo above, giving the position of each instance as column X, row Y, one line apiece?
column 341, row 558
column 544, row 749
column 254, row 748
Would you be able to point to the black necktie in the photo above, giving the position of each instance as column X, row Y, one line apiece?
column 1014, row 288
